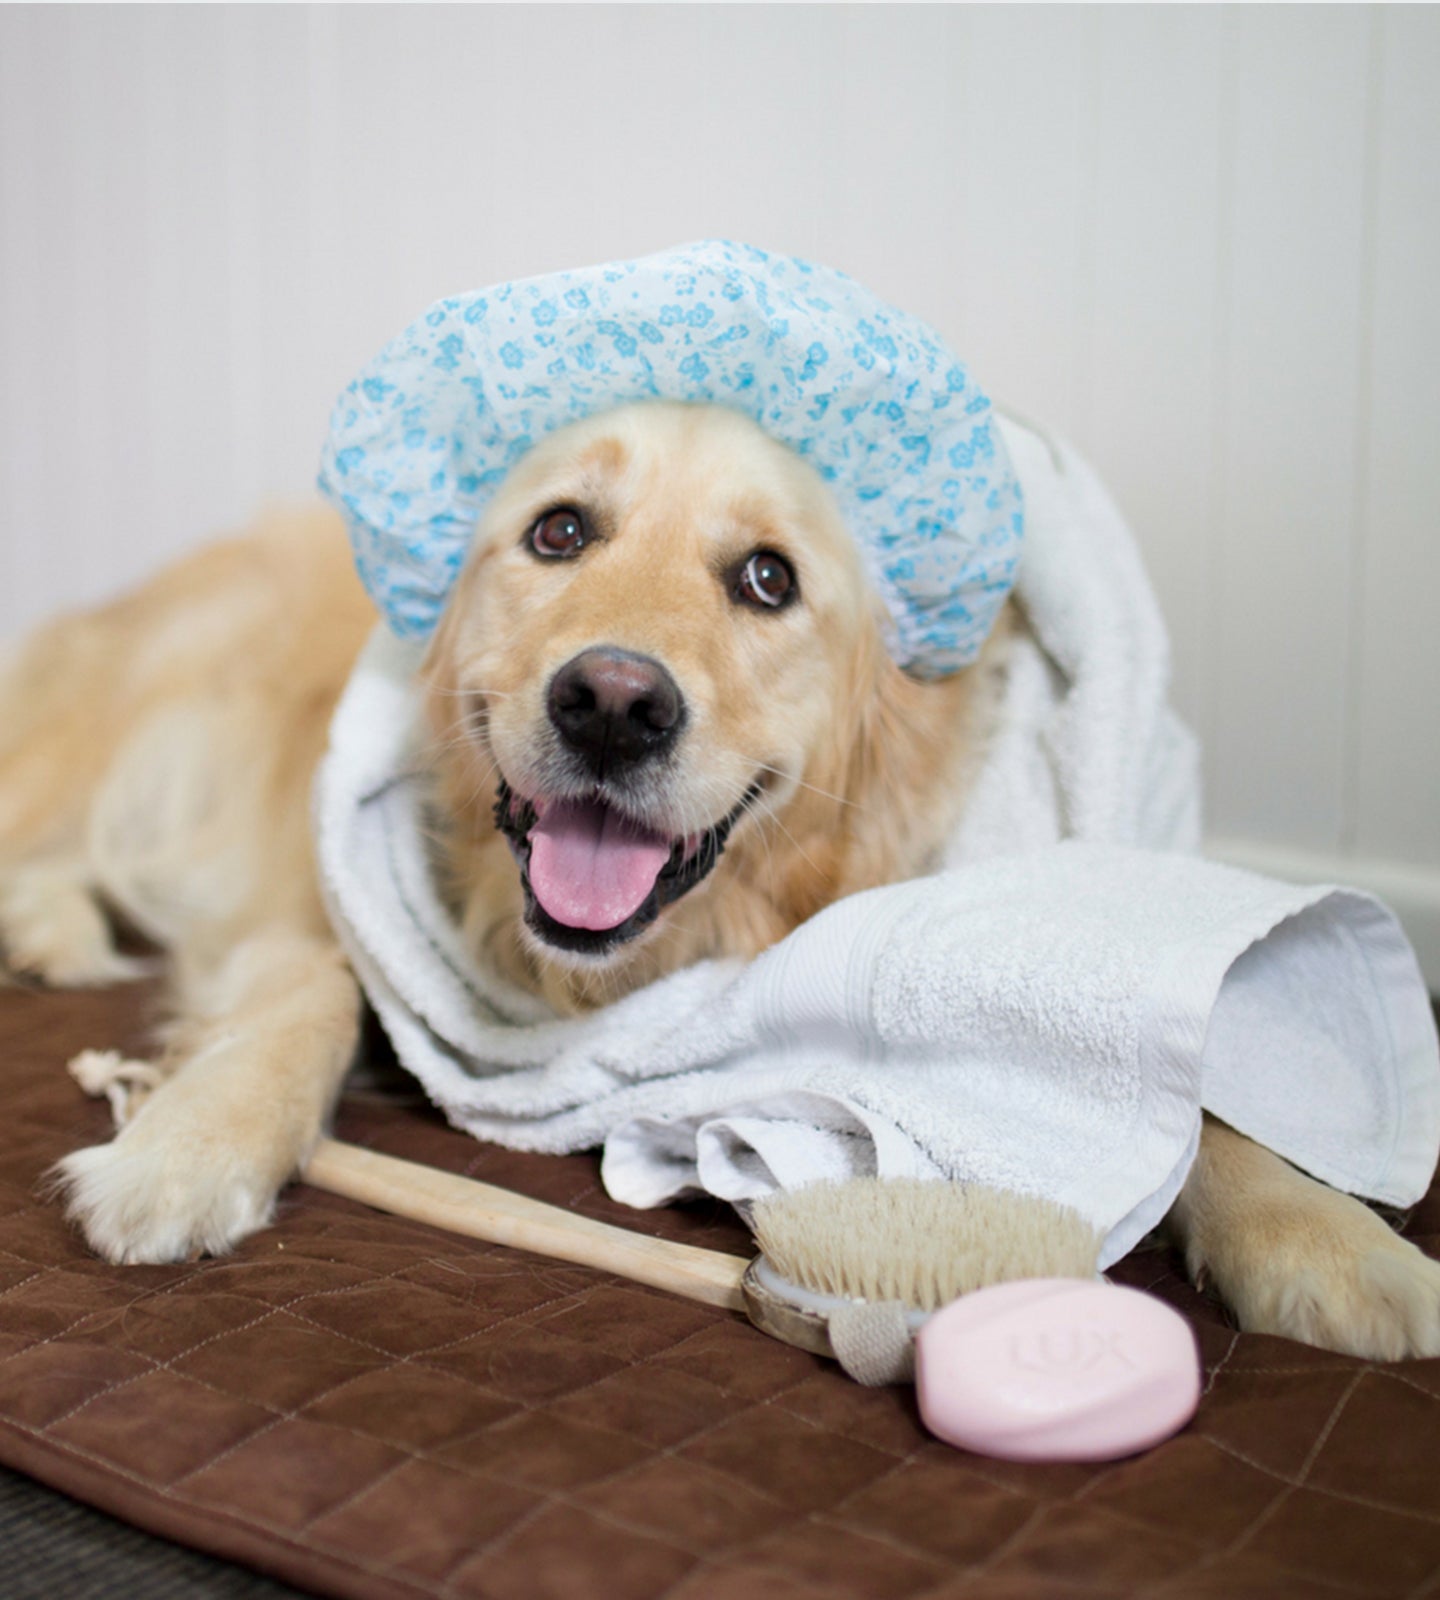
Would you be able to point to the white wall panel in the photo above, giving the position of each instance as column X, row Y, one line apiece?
column 896, row 170
column 53, row 430
column 25, row 588
column 1148, row 399
column 184, row 423
column 97, row 275
column 1202, row 240
column 1290, row 398
column 1395, row 755
column 1026, row 142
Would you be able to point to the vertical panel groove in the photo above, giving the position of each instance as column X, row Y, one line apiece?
column 1354, row 643
column 242, row 258
column 155, row 232
column 1082, row 376
column 1219, row 507
column 18, row 423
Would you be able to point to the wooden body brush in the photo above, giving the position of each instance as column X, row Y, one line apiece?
column 1033, row 1358
column 867, row 1240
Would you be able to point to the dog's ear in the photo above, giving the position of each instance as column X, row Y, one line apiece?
column 446, row 710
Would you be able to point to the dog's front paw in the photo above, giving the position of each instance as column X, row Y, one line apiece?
column 146, row 1197
column 1333, row 1274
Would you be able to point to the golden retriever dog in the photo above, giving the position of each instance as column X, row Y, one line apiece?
column 663, row 726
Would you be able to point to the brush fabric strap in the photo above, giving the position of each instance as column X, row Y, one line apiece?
column 868, row 395
column 873, row 1342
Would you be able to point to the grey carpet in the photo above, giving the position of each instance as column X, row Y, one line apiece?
column 54, row 1548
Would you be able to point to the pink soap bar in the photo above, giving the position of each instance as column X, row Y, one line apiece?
column 1056, row 1369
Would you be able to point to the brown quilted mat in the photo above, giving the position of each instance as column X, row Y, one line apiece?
column 366, row 1407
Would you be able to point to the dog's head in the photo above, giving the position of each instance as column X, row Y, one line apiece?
column 663, row 636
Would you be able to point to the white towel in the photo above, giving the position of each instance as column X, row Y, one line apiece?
column 1043, row 1017
column 1088, row 746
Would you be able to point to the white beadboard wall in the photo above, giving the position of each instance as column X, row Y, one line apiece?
column 1203, row 241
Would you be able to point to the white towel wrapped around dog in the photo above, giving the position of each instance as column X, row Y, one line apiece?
column 1045, row 1016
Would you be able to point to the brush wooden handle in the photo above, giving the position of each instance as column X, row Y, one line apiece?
column 481, row 1211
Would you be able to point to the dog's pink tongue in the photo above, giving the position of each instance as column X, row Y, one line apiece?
column 591, row 868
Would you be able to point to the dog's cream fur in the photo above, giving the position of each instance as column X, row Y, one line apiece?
column 155, row 763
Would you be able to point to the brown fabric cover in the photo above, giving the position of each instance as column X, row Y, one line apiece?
column 367, row 1407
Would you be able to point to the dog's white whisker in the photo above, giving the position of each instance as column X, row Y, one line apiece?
column 800, row 850
column 790, row 777
column 453, row 741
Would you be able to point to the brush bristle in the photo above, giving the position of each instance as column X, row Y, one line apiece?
column 922, row 1242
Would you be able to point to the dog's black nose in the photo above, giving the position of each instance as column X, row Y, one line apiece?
column 615, row 708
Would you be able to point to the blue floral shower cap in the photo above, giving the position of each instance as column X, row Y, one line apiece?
column 869, row 396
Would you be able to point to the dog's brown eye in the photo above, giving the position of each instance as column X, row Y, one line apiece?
column 558, row 533
column 766, row 580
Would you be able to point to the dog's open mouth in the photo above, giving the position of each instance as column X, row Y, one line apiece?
column 593, row 877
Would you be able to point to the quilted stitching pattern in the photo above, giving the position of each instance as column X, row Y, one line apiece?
column 369, row 1408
